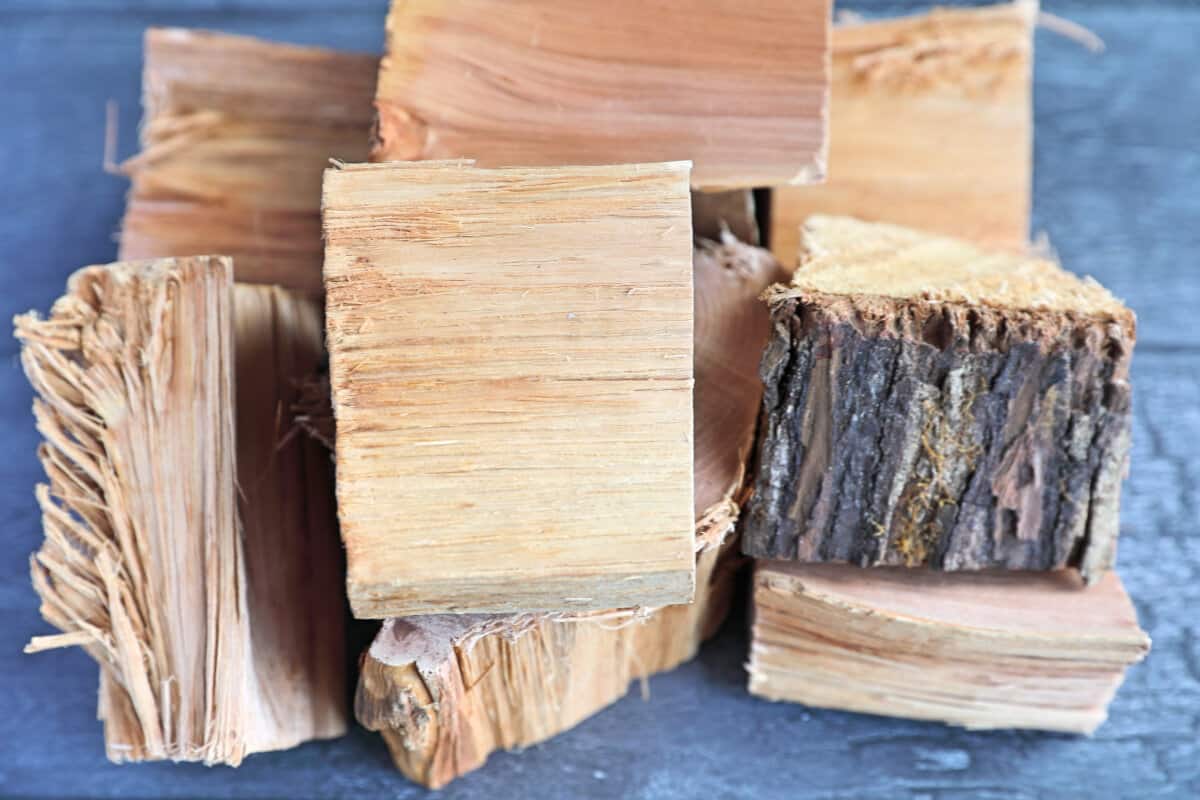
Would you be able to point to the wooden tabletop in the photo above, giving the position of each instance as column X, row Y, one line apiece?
column 1118, row 193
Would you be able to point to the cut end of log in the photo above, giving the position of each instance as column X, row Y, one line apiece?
column 988, row 650
column 931, row 403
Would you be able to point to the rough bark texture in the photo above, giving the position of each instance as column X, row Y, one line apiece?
column 957, row 435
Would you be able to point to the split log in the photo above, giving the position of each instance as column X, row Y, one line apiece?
column 989, row 650
column 931, row 127
column 210, row 603
column 237, row 133
column 511, row 363
column 445, row 691
column 930, row 403
column 741, row 93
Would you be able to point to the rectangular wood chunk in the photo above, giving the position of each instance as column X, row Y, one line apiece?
column 740, row 90
column 1032, row 650
column 931, row 127
column 236, row 135
column 209, row 598
column 466, row 685
column 931, row 403
column 511, row 366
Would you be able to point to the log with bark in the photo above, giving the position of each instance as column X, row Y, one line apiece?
column 445, row 691
column 511, row 364
column 931, row 403
column 931, row 126
column 194, row 558
column 741, row 92
column 988, row 650
column 236, row 135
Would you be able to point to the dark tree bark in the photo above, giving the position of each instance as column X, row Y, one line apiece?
column 945, row 434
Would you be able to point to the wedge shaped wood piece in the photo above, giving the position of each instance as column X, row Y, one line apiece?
column 445, row 691
column 989, row 650
column 237, row 132
column 211, row 604
column 931, row 127
column 511, row 364
column 740, row 91
column 931, row 403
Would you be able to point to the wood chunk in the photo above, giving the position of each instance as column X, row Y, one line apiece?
column 445, row 691
column 155, row 557
column 511, row 362
column 931, row 127
column 237, row 132
column 989, row 650
column 741, row 93
column 930, row 403
column 717, row 214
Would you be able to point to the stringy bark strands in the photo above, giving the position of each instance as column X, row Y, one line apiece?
column 932, row 127
column 237, row 132
column 144, row 563
column 990, row 650
column 739, row 90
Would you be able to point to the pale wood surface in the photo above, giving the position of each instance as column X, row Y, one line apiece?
column 236, row 134
column 511, row 361
column 990, row 650
column 199, row 566
column 931, row 126
column 740, row 91
column 552, row 671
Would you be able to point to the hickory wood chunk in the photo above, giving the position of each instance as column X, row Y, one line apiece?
column 209, row 599
column 445, row 691
column 511, row 366
column 931, row 403
column 931, row 126
column 236, row 135
column 740, row 91
column 989, row 650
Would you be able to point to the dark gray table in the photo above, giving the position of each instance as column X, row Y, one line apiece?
column 1118, row 171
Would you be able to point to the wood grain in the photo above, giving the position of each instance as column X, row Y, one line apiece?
column 237, row 132
column 445, row 691
column 931, row 127
column 989, row 650
column 511, row 362
column 741, row 92
column 197, row 590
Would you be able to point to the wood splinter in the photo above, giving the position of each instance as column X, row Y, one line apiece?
column 210, row 599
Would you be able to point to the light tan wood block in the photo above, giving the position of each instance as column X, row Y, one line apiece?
column 931, row 127
column 511, row 366
column 987, row 650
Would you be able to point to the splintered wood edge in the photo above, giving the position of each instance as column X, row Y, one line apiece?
column 88, row 571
